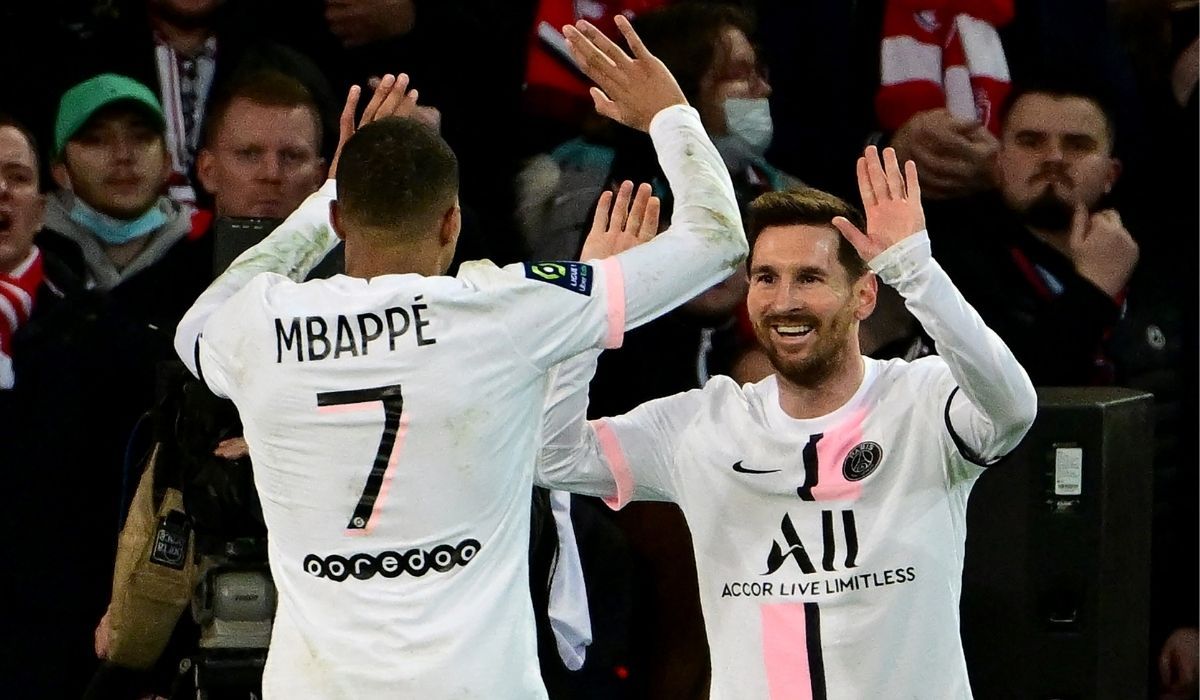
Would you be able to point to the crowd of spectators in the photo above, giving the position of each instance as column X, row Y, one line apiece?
column 1056, row 141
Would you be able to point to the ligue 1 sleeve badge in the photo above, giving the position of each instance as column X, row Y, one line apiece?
column 862, row 461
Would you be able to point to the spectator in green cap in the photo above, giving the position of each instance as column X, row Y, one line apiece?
column 111, row 216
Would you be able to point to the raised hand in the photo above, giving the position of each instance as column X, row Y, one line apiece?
column 952, row 153
column 631, row 90
column 391, row 98
column 1103, row 251
column 626, row 226
column 891, row 202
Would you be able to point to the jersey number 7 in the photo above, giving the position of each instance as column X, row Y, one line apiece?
column 393, row 406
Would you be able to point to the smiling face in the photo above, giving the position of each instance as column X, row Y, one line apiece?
column 21, row 203
column 803, row 305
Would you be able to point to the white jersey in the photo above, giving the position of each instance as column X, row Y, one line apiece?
column 829, row 550
column 393, row 424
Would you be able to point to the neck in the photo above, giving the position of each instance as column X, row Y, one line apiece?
column 367, row 262
column 824, row 395
column 188, row 41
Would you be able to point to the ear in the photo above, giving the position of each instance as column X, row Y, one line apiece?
column 451, row 226
column 1114, row 172
column 320, row 174
column 866, row 293
column 40, row 210
column 206, row 171
column 335, row 220
column 62, row 176
column 167, row 168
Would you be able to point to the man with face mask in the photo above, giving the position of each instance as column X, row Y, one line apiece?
column 111, row 216
column 1047, row 262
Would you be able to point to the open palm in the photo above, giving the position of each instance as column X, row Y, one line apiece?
column 891, row 202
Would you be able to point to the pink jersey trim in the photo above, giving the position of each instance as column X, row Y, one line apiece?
column 614, row 283
column 610, row 448
column 785, row 652
column 348, row 407
column 832, row 484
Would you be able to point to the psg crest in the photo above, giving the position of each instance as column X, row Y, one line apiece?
column 862, row 461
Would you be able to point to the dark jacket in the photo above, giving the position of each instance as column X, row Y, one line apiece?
column 84, row 375
column 1000, row 267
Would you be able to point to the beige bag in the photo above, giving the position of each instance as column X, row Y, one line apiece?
column 154, row 575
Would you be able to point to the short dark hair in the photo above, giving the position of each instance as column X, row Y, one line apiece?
column 686, row 38
column 266, row 87
column 395, row 174
column 806, row 207
column 8, row 120
column 1056, row 85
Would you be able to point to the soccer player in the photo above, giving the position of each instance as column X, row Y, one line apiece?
column 393, row 414
column 827, row 503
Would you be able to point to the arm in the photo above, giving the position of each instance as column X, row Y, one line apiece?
column 305, row 237
column 997, row 403
column 706, row 242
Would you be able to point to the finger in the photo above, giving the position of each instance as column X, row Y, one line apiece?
column 604, row 105
column 911, row 183
column 638, row 211
column 635, row 42
column 1080, row 222
column 600, row 219
column 650, row 221
column 346, row 121
column 395, row 97
column 875, row 174
column 865, row 189
column 857, row 238
column 591, row 60
column 891, row 169
column 380, row 94
column 601, row 41
column 620, row 212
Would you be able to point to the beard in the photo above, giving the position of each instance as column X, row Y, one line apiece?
column 1049, row 212
column 826, row 355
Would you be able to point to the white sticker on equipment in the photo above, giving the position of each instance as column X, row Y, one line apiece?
column 1068, row 471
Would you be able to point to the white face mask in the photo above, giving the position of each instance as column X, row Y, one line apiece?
column 750, row 120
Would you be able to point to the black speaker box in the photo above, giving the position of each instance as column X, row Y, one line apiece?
column 1055, row 600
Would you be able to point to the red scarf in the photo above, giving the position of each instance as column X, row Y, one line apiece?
column 943, row 53
column 17, row 292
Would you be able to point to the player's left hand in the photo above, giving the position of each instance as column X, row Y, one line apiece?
column 391, row 98
column 619, row 225
column 891, row 202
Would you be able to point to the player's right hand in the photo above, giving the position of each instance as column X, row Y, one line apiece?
column 626, row 226
column 391, row 98
column 631, row 90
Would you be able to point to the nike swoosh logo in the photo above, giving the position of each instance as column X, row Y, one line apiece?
column 737, row 467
